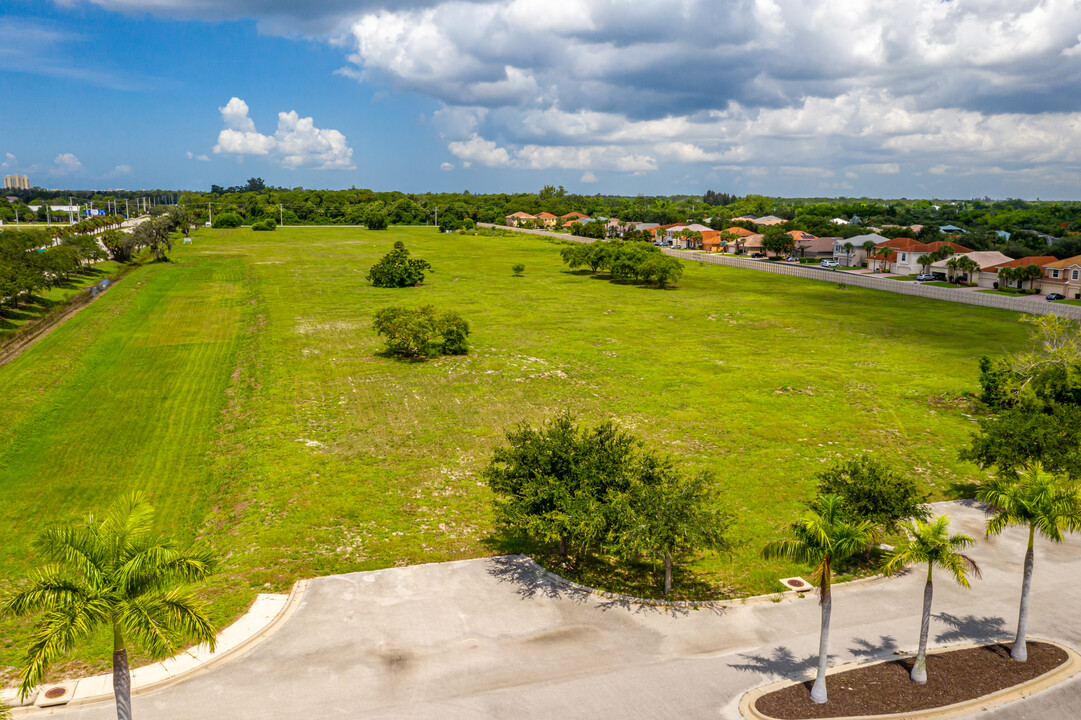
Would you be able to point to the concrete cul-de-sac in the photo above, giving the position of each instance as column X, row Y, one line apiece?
column 491, row 638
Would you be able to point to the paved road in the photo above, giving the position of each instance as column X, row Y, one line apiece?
column 488, row 639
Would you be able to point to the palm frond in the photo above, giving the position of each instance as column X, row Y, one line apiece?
column 75, row 547
column 56, row 633
column 49, row 589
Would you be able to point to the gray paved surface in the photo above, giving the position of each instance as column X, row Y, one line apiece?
column 485, row 639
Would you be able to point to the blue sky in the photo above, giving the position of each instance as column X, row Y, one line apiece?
column 920, row 98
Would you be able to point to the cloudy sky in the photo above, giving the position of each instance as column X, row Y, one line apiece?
column 914, row 98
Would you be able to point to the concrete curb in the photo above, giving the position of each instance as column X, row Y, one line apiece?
column 776, row 597
column 266, row 615
column 1068, row 669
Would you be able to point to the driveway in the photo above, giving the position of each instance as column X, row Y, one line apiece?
column 489, row 638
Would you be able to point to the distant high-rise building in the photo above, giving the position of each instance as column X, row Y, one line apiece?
column 16, row 182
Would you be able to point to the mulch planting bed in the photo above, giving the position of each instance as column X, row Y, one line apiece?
column 886, row 688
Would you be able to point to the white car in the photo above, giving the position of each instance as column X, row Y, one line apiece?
column 829, row 263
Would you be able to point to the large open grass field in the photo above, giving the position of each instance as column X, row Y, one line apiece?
column 241, row 386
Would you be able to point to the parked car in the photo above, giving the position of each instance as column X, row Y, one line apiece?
column 924, row 277
column 758, row 255
column 791, row 258
column 1052, row 297
column 829, row 263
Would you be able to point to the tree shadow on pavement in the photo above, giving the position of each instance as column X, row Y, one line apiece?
column 867, row 649
column 971, row 627
column 781, row 662
column 530, row 579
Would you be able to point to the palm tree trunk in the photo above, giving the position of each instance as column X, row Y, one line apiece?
column 1019, row 652
column 121, row 677
column 818, row 691
column 919, row 670
column 667, row 573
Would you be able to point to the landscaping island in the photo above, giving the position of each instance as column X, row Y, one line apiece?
column 885, row 688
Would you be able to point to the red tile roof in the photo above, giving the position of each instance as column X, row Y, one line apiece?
column 957, row 248
column 737, row 230
column 904, row 244
column 546, row 216
column 1041, row 260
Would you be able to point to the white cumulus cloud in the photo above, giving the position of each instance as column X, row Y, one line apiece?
column 297, row 143
column 588, row 177
column 66, row 164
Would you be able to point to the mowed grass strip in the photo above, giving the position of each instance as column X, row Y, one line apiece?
column 242, row 386
column 124, row 395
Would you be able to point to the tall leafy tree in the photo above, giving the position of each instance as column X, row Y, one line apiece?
column 557, row 483
column 870, row 490
column 668, row 516
column 930, row 542
column 112, row 572
column 1043, row 503
column 821, row 538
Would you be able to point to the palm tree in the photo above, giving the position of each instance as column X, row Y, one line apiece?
column 821, row 538
column 848, row 247
column 868, row 248
column 930, row 542
column 1037, row 500
column 112, row 572
column 1006, row 275
column 926, row 261
column 1032, row 274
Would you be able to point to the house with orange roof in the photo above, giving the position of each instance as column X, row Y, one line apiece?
column 737, row 230
column 519, row 218
column 573, row 217
column 1063, row 276
column 989, row 276
column 905, row 258
column 547, row 218
column 798, row 235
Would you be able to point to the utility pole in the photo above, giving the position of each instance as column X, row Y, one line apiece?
column 16, row 217
column 210, row 210
column 125, row 207
column 71, row 221
column 281, row 215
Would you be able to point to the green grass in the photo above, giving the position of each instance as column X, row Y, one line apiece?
column 1008, row 293
column 42, row 303
column 240, row 385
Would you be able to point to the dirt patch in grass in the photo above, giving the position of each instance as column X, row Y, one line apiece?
column 885, row 688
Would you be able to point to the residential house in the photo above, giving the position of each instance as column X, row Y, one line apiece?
column 1063, row 276
column 749, row 218
column 769, row 220
column 989, row 275
column 858, row 255
column 571, row 216
column 652, row 227
column 1003, row 234
column 983, row 258
column 519, row 218
column 952, row 230
column 839, row 221
column 547, row 218
column 799, row 235
column 750, row 244
column 819, row 247
column 737, row 230
column 907, row 253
